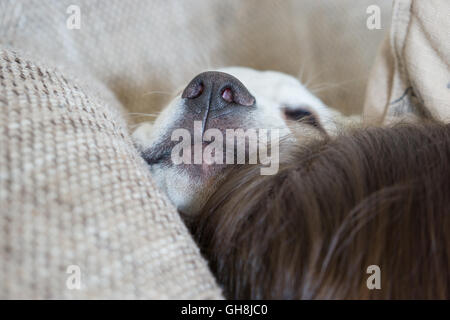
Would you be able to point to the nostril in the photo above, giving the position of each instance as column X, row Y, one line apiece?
column 227, row 95
column 193, row 91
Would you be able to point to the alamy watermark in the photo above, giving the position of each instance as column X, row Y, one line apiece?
column 373, row 22
column 260, row 145
column 74, row 19
column 73, row 281
column 374, row 280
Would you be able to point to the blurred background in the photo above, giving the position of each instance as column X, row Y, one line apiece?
column 144, row 50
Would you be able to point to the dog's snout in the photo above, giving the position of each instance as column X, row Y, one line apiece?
column 218, row 89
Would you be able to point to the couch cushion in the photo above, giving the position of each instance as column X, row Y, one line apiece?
column 76, row 196
column 146, row 50
column 411, row 76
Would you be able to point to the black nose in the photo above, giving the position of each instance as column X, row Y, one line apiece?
column 217, row 90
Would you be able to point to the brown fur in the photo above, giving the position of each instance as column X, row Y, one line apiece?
column 373, row 196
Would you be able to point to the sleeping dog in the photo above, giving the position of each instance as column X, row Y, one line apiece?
column 340, row 199
column 258, row 100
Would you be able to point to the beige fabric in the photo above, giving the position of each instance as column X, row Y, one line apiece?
column 141, row 46
column 412, row 72
column 73, row 191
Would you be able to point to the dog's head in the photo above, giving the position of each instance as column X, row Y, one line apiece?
column 211, row 105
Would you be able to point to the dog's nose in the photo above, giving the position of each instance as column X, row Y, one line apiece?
column 218, row 90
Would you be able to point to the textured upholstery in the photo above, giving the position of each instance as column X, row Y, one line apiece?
column 412, row 71
column 73, row 191
column 142, row 46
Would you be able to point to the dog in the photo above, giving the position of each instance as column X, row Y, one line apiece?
column 344, row 198
column 261, row 99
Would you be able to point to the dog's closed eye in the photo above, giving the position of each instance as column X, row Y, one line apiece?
column 300, row 113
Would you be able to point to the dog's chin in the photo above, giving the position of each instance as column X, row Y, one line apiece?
column 187, row 185
column 202, row 173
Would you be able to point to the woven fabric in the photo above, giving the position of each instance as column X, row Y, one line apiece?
column 411, row 75
column 138, row 47
column 74, row 192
